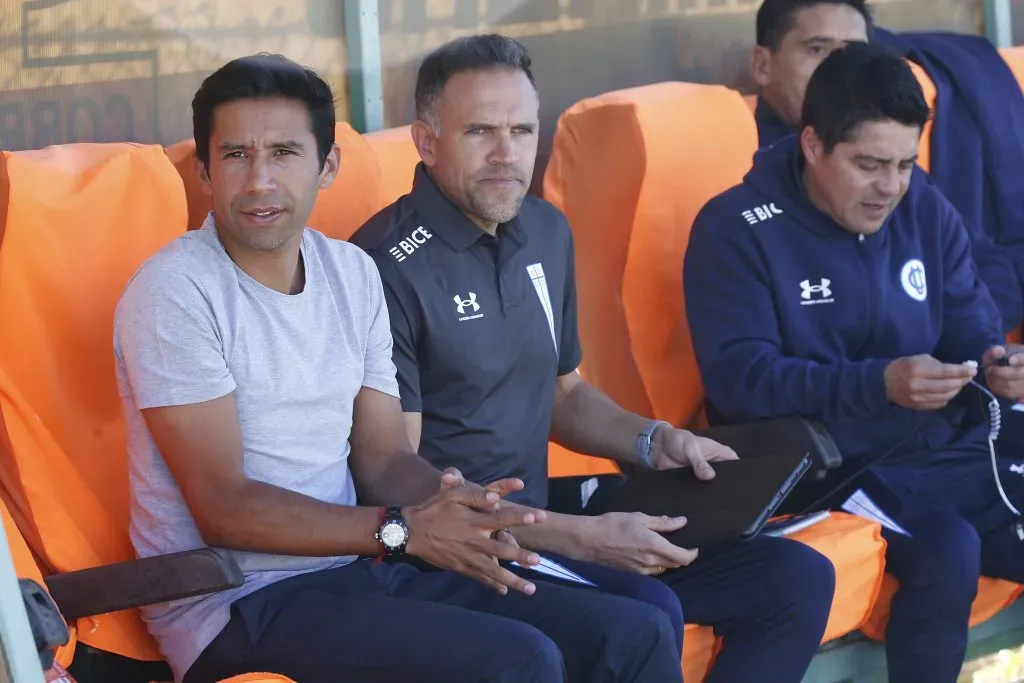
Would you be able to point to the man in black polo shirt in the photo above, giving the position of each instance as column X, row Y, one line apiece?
column 482, row 302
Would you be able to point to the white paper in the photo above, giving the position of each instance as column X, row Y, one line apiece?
column 860, row 504
column 588, row 489
column 552, row 568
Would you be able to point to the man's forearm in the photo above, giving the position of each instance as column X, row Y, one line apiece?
column 260, row 517
column 586, row 421
column 408, row 479
column 562, row 534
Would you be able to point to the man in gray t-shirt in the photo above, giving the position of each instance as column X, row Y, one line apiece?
column 254, row 363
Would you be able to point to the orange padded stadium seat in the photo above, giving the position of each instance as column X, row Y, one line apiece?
column 25, row 567
column 353, row 198
column 924, row 151
column 1014, row 57
column 397, row 158
column 993, row 596
column 80, row 220
column 852, row 588
column 182, row 155
column 565, row 463
column 631, row 169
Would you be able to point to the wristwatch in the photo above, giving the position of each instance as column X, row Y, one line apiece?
column 393, row 534
column 644, row 442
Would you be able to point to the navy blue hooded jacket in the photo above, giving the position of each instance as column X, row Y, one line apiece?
column 996, row 266
column 791, row 314
column 770, row 126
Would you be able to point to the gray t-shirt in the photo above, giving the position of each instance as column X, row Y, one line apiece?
column 191, row 327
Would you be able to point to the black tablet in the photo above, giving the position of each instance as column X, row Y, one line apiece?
column 732, row 506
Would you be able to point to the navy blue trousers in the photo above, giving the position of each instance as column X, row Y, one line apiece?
column 769, row 598
column 393, row 623
column 959, row 531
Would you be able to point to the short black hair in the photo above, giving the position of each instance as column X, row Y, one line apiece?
column 857, row 84
column 470, row 53
column 776, row 18
column 264, row 76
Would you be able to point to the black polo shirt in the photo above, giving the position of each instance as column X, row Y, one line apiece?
column 482, row 327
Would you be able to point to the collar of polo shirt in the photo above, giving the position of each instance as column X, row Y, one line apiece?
column 446, row 220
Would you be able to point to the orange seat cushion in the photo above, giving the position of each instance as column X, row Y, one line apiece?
column 565, row 463
column 80, row 221
column 631, row 169
column 924, row 150
column 1014, row 58
column 857, row 550
column 25, row 567
column 340, row 210
column 993, row 596
column 183, row 155
column 397, row 158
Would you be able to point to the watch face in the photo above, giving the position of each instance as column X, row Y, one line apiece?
column 392, row 535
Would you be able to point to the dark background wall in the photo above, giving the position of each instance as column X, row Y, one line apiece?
column 100, row 70
column 585, row 47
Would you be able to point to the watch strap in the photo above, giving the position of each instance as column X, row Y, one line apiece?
column 388, row 515
column 644, row 441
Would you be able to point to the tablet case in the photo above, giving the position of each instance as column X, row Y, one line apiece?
column 732, row 506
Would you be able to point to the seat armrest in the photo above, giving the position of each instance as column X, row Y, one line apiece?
column 44, row 619
column 146, row 581
column 778, row 436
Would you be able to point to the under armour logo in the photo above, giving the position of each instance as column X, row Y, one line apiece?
column 463, row 304
column 1017, row 469
column 822, row 290
column 761, row 213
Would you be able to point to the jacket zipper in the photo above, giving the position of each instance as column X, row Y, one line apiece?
column 872, row 280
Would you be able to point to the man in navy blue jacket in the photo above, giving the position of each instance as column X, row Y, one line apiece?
column 836, row 284
column 793, row 37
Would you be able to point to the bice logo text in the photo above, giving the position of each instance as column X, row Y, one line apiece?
column 761, row 213
column 416, row 239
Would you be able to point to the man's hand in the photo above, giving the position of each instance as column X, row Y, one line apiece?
column 631, row 541
column 1005, row 381
column 452, row 478
column 924, row 383
column 460, row 529
column 673, row 448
